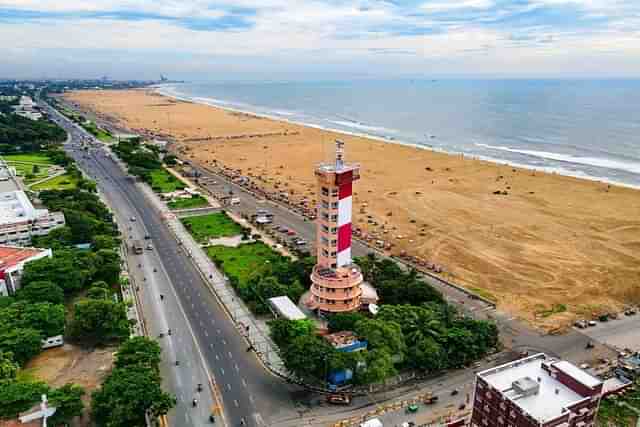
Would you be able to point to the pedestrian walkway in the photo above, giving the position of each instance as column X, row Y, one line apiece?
column 254, row 330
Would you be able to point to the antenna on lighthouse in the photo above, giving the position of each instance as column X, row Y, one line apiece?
column 339, row 154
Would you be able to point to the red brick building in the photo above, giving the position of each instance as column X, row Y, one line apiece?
column 536, row 391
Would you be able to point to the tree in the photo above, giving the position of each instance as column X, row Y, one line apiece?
column 379, row 366
column 170, row 160
column 18, row 396
column 96, row 320
column 382, row 335
column 67, row 269
column 427, row 354
column 8, row 367
column 104, row 242
column 108, row 266
column 127, row 395
column 307, row 357
column 138, row 351
column 344, row 321
column 95, row 292
column 284, row 331
column 45, row 317
column 23, row 343
column 35, row 170
column 41, row 291
column 68, row 403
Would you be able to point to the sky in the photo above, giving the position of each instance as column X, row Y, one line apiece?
column 319, row 39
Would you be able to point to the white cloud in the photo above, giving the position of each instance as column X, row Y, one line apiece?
column 446, row 6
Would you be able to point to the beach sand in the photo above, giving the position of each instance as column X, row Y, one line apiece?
column 550, row 248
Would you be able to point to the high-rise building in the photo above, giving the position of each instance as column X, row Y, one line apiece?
column 536, row 391
column 336, row 286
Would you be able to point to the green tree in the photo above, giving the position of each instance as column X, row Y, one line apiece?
column 127, row 394
column 284, row 331
column 35, row 170
column 382, row 335
column 104, row 242
column 67, row 269
column 45, row 317
column 138, row 351
column 344, row 321
column 108, row 266
column 68, row 403
column 379, row 366
column 96, row 320
column 8, row 367
column 427, row 354
column 23, row 343
column 41, row 291
column 95, row 292
column 18, row 396
column 307, row 357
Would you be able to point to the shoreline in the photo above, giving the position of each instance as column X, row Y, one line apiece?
column 530, row 239
column 157, row 89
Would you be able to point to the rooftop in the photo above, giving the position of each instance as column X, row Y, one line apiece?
column 14, row 255
column 15, row 206
column 286, row 308
column 546, row 400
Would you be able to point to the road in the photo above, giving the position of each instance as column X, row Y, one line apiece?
column 249, row 394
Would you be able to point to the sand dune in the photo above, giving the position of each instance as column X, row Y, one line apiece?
column 546, row 240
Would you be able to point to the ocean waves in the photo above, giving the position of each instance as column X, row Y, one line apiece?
column 598, row 162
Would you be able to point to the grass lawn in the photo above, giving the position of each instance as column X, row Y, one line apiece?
column 24, row 169
column 163, row 182
column 62, row 182
column 28, row 158
column 99, row 133
column 193, row 202
column 240, row 262
column 205, row 227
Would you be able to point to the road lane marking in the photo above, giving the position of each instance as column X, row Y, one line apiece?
column 244, row 383
column 228, row 386
column 236, row 367
column 206, row 334
column 230, row 355
column 236, row 403
column 222, row 370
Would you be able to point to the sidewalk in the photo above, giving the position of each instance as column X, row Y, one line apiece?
column 255, row 331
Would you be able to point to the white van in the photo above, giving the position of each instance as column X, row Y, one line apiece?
column 51, row 342
column 234, row 201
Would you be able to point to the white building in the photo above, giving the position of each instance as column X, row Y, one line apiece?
column 19, row 220
column 28, row 108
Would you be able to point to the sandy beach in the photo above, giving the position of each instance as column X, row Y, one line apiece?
column 529, row 239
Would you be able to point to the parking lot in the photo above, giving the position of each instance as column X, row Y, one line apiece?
column 620, row 333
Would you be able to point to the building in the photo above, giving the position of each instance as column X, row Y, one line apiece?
column 536, row 391
column 19, row 220
column 12, row 261
column 28, row 108
column 346, row 341
column 336, row 279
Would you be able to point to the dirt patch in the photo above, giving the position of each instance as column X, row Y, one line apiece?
column 73, row 364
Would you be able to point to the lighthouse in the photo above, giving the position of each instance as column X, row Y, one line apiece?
column 336, row 280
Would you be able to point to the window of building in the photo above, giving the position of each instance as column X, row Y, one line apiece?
column 325, row 191
column 334, row 218
column 334, row 205
column 325, row 228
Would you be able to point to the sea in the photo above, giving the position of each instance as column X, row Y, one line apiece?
column 584, row 128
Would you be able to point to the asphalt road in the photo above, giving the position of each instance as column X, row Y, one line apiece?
column 249, row 394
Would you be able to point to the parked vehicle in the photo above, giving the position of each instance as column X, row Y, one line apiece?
column 339, row 399
column 137, row 247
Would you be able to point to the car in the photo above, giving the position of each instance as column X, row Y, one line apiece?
column 291, row 233
column 630, row 312
column 147, row 237
column 592, row 323
column 149, row 247
column 581, row 324
column 301, row 242
column 133, row 219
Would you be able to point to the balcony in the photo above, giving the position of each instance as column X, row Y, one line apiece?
column 347, row 277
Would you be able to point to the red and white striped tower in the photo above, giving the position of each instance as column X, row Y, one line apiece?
column 336, row 280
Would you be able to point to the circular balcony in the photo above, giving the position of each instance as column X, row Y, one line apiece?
column 347, row 277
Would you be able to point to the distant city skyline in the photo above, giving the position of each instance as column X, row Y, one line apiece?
column 317, row 39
